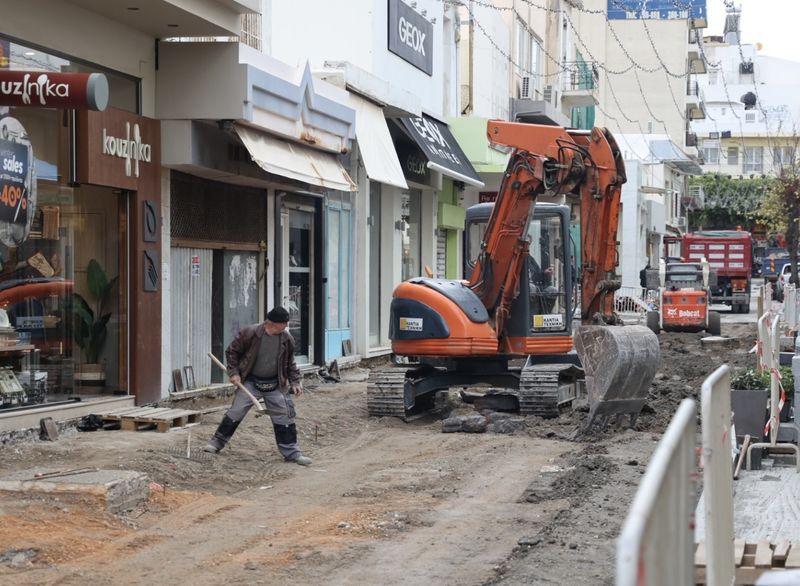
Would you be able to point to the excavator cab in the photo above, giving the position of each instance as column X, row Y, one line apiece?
column 544, row 306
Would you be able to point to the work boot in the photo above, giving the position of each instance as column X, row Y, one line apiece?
column 302, row 460
column 222, row 436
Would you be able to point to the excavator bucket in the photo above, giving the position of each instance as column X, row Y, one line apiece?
column 620, row 363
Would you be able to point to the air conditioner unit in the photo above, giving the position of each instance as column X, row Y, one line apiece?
column 526, row 88
column 713, row 135
column 551, row 94
column 726, row 134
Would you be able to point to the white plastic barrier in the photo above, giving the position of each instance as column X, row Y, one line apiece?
column 632, row 300
column 656, row 545
column 790, row 307
column 715, row 407
column 768, row 350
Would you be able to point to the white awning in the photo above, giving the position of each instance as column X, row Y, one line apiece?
column 295, row 161
column 375, row 144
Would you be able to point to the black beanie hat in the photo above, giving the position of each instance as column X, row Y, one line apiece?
column 278, row 315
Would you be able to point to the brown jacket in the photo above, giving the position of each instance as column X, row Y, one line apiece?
column 243, row 352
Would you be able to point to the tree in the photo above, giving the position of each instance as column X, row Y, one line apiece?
column 729, row 202
column 780, row 211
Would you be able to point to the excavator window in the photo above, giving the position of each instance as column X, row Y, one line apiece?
column 546, row 280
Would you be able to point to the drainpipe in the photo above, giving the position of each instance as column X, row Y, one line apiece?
column 467, row 109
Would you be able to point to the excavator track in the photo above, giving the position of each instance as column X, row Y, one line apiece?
column 542, row 391
column 386, row 393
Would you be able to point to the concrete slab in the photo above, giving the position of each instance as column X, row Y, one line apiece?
column 766, row 505
column 719, row 341
column 118, row 490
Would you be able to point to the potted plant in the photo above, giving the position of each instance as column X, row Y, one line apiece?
column 89, row 324
column 753, row 379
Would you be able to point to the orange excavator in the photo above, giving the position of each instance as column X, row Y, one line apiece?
column 517, row 304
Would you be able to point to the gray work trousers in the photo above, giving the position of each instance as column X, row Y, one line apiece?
column 281, row 409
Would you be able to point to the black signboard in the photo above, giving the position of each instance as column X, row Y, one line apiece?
column 13, row 188
column 410, row 36
column 441, row 149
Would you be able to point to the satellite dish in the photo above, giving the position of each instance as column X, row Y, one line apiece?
column 749, row 100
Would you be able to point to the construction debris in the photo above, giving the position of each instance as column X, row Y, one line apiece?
column 119, row 490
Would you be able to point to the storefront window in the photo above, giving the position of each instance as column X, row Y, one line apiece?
column 411, row 214
column 123, row 91
column 374, row 263
column 63, row 253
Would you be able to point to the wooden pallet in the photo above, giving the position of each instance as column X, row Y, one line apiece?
column 145, row 418
column 752, row 559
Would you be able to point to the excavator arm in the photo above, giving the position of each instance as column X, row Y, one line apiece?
column 619, row 362
column 538, row 165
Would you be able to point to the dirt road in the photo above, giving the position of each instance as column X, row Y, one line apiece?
column 385, row 502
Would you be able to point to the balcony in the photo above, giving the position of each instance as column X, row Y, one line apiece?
column 579, row 84
column 694, row 47
column 164, row 19
column 691, row 139
column 695, row 101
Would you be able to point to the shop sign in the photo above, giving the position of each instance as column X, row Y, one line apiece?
column 410, row 36
column 195, row 268
column 14, row 182
column 131, row 150
column 47, row 89
column 414, row 164
column 656, row 9
column 117, row 149
column 440, row 147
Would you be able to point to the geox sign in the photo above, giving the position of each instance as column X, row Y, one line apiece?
column 132, row 150
column 410, row 36
column 46, row 89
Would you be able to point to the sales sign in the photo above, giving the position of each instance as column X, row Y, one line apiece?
column 14, row 182
column 410, row 36
column 195, row 266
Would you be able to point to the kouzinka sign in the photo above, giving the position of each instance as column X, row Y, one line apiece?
column 47, row 89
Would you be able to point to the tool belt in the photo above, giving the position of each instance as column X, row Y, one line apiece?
column 263, row 385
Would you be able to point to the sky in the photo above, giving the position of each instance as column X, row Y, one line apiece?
column 773, row 23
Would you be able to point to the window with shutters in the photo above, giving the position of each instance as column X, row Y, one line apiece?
column 733, row 155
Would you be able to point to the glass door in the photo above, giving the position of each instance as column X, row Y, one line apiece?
column 298, row 272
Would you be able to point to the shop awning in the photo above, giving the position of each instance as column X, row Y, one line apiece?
column 375, row 144
column 470, row 132
column 295, row 161
column 441, row 148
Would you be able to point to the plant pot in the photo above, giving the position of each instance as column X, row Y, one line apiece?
column 749, row 412
column 90, row 375
column 787, row 410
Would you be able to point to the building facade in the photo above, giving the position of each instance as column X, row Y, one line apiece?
column 752, row 103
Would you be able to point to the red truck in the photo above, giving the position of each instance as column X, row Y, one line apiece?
column 730, row 254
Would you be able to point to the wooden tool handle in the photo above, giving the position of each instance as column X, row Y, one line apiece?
column 239, row 385
column 742, row 456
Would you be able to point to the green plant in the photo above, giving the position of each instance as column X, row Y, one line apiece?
column 754, row 378
column 750, row 379
column 89, row 320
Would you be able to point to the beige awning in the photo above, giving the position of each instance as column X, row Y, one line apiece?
column 375, row 143
column 295, row 161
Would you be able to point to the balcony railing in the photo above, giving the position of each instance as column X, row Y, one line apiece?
column 691, row 139
column 693, row 36
column 692, row 88
column 580, row 75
